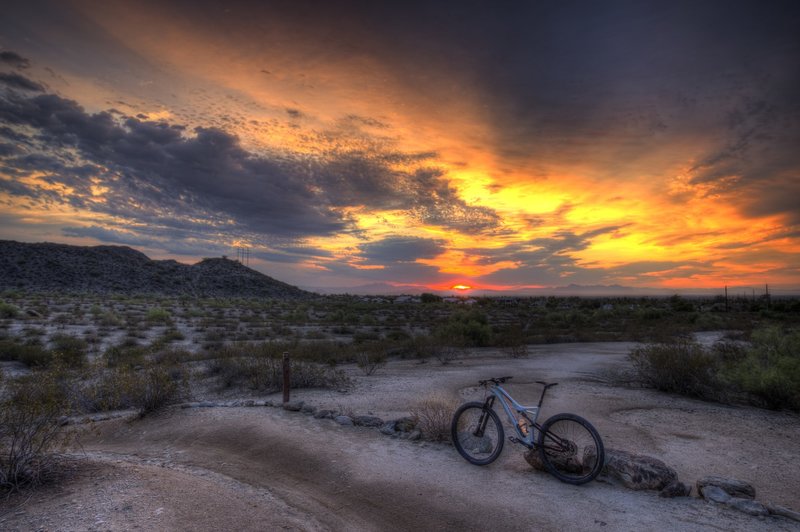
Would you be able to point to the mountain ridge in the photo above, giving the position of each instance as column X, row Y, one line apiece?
column 45, row 266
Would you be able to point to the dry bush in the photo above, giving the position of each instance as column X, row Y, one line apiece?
column 433, row 415
column 30, row 432
column 369, row 360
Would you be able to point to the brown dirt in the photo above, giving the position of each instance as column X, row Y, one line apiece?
column 264, row 468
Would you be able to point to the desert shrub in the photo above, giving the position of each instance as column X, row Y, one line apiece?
column 7, row 310
column 433, row 415
column 678, row 366
column 370, row 360
column 70, row 349
column 30, row 432
column 145, row 390
column 30, row 353
column 466, row 329
column 157, row 387
column 513, row 342
column 125, row 355
column 265, row 373
column 769, row 369
column 158, row 315
column 427, row 297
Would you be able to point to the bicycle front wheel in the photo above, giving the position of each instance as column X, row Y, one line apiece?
column 571, row 449
column 477, row 433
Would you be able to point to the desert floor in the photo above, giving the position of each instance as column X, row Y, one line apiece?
column 262, row 468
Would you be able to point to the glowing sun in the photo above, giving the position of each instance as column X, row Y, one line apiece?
column 461, row 287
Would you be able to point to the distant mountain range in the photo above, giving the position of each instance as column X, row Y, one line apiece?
column 563, row 291
column 122, row 270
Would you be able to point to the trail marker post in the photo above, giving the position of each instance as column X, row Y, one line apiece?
column 287, row 375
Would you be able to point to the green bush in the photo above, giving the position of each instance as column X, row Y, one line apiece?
column 31, row 353
column 679, row 366
column 769, row 369
column 7, row 310
column 466, row 329
column 158, row 315
column 71, row 350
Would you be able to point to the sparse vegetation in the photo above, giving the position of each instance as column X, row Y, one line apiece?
column 433, row 415
column 763, row 372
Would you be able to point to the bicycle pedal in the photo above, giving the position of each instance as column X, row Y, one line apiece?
column 512, row 439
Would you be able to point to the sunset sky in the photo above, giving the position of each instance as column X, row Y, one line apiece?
column 496, row 145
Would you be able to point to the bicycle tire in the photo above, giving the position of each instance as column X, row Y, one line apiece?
column 478, row 449
column 571, row 449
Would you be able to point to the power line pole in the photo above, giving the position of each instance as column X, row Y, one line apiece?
column 726, row 298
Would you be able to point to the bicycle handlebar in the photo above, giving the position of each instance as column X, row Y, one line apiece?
column 495, row 380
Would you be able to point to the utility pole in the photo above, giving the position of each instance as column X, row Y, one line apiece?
column 769, row 303
column 726, row 298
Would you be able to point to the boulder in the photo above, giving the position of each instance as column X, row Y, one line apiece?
column 634, row 471
column 748, row 506
column 343, row 420
column 308, row 409
column 731, row 486
column 715, row 494
column 389, row 428
column 293, row 406
column 324, row 413
column 783, row 512
column 675, row 488
column 569, row 463
column 367, row 421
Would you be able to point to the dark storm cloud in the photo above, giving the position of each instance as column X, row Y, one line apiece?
column 401, row 249
column 14, row 59
column 16, row 81
column 154, row 171
column 598, row 83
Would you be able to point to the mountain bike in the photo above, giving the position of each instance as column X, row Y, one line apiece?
column 569, row 446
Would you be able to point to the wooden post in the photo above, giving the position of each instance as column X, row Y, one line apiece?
column 286, row 376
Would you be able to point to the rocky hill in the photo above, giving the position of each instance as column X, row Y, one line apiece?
column 122, row 270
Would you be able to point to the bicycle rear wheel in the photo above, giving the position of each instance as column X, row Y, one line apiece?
column 571, row 449
column 477, row 433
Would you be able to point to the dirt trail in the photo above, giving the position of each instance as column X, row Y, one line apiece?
column 264, row 468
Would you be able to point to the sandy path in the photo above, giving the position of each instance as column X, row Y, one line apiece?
column 263, row 468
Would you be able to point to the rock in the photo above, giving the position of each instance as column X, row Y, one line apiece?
column 249, row 402
column 715, row 493
column 414, row 435
column 731, row 486
column 405, row 424
column 268, row 403
column 475, row 444
column 634, row 471
column 343, row 420
column 32, row 313
column 533, row 457
column 293, row 406
column 388, row 428
column 675, row 488
column 783, row 512
column 206, row 404
column 367, row 421
column 308, row 409
column 748, row 506
column 324, row 414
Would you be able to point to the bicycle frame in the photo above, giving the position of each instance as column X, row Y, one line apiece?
column 514, row 411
